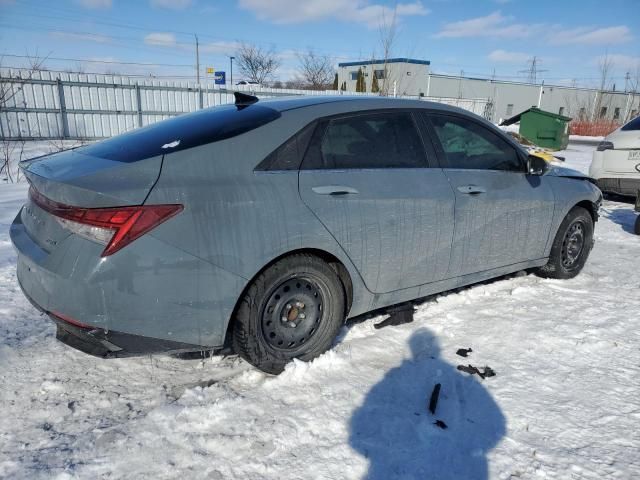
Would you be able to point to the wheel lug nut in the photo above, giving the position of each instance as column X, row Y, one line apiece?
column 302, row 316
column 299, row 304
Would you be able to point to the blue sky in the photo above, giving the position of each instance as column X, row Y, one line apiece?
column 474, row 36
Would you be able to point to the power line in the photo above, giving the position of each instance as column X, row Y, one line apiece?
column 177, row 32
column 128, row 75
column 12, row 55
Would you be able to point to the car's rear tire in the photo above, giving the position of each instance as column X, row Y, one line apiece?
column 571, row 246
column 637, row 225
column 293, row 309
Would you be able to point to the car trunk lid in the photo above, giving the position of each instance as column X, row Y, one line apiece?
column 75, row 179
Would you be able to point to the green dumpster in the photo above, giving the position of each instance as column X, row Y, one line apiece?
column 544, row 129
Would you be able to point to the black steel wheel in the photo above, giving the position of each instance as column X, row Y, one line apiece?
column 571, row 246
column 293, row 312
column 637, row 226
column 293, row 309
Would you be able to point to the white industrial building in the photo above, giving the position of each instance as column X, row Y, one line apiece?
column 406, row 76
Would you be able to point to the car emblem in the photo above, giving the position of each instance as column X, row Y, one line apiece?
column 638, row 167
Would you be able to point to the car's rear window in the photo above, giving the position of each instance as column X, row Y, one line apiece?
column 632, row 125
column 182, row 132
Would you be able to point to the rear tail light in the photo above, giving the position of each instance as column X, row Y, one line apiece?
column 68, row 319
column 602, row 146
column 113, row 227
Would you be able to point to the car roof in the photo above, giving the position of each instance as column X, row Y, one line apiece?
column 283, row 104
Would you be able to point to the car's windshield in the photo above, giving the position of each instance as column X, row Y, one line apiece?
column 632, row 125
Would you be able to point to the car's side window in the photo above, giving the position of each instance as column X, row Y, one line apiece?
column 288, row 155
column 376, row 140
column 468, row 145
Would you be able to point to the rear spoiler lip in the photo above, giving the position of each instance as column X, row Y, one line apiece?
column 93, row 182
column 27, row 161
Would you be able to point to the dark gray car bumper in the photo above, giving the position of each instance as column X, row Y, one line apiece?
column 621, row 186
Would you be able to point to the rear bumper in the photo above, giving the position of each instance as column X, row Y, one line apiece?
column 103, row 344
column 108, row 343
column 149, row 297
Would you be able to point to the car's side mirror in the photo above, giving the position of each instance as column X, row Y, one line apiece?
column 536, row 165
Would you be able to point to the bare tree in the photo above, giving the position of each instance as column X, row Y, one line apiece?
column 633, row 89
column 12, row 152
column 8, row 90
column 387, row 31
column 605, row 67
column 256, row 63
column 316, row 71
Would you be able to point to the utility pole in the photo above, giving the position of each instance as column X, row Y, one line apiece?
column 231, row 59
column 197, row 60
column 627, row 77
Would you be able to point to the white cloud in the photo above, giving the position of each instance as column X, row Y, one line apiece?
column 620, row 61
column 171, row 4
column 222, row 48
column 504, row 56
column 592, row 36
column 83, row 37
column 492, row 25
column 297, row 11
column 165, row 39
column 161, row 39
column 95, row 3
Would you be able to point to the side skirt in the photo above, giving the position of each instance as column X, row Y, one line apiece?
column 377, row 301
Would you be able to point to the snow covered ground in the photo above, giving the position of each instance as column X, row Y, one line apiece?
column 564, row 403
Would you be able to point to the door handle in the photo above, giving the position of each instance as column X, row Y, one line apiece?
column 334, row 190
column 471, row 189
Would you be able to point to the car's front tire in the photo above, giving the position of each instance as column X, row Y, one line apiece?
column 636, row 229
column 293, row 309
column 571, row 246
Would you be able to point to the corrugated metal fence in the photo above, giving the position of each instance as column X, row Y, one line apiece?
column 46, row 105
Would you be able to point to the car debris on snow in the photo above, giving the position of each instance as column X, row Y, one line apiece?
column 433, row 401
column 482, row 373
column 463, row 352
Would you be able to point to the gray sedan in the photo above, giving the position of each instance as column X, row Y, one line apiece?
column 265, row 224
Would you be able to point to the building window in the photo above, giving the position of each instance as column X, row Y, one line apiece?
column 561, row 111
column 509, row 109
column 616, row 113
column 379, row 74
column 603, row 112
column 354, row 75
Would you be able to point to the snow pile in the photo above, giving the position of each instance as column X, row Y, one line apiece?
column 564, row 402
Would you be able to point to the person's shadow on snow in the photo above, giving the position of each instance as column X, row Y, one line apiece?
column 395, row 431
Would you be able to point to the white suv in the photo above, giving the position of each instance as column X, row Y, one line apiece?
column 616, row 163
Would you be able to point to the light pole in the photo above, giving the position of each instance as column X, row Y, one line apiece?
column 231, row 70
column 197, row 61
